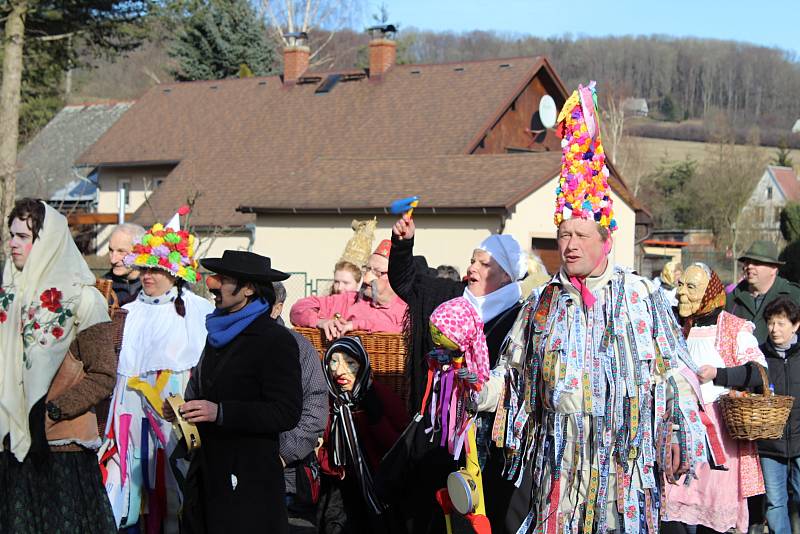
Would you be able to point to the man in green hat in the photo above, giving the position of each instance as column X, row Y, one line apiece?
column 760, row 286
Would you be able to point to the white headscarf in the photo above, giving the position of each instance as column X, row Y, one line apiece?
column 42, row 309
column 508, row 253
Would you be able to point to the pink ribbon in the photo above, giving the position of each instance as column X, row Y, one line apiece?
column 586, row 294
column 156, row 428
column 124, row 433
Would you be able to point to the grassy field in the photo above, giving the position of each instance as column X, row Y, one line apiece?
column 655, row 151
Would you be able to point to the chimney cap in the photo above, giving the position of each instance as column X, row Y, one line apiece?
column 382, row 31
column 296, row 38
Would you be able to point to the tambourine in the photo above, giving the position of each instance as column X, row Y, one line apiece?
column 463, row 490
column 185, row 430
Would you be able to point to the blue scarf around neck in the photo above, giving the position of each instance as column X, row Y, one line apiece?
column 223, row 327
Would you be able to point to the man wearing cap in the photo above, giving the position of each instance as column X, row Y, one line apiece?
column 599, row 403
column 243, row 393
column 376, row 308
column 760, row 286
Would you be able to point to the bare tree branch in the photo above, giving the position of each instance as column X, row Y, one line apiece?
column 150, row 74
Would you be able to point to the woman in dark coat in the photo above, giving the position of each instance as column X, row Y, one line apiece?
column 366, row 419
column 246, row 390
column 497, row 264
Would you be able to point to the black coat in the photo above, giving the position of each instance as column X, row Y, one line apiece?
column 784, row 375
column 255, row 379
column 423, row 293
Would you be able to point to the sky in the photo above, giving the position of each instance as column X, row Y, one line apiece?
column 772, row 23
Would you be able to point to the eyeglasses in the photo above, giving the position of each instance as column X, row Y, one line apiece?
column 366, row 269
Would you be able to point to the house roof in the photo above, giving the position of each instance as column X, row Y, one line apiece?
column 263, row 146
column 788, row 182
column 444, row 183
column 45, row 165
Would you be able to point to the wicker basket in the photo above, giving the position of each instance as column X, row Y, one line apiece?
column 387, row 355
column 755, row 416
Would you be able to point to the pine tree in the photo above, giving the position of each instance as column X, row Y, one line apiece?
column 790, row 229
column 218, row 38
column 782, row 155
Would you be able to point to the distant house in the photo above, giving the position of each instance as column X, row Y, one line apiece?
column 282, row 164
column 761, row 214
column 635, row 107
column 46, row 164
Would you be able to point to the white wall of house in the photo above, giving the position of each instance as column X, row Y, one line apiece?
column 141, row 182
column 533, row 217
column 760, row 218
column 313, row 244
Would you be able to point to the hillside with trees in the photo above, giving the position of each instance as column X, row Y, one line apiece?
column 681, row 78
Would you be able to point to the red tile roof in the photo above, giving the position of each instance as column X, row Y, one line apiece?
column 788, row 182
column 258, row 144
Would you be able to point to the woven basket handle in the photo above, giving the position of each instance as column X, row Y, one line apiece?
column 764, row 380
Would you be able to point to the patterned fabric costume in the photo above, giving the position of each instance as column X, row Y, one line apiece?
column 592, row 400
column 159, row 349
column 599, row 379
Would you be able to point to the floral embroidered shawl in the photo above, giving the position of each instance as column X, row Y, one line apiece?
column 42, row 309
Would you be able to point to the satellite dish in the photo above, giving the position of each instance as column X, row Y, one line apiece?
column 547, row 111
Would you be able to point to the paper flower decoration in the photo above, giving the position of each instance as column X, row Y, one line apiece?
column 167, row 249
column 583, row 191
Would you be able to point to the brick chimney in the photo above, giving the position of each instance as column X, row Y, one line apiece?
column 295, row 56
column 382, row 49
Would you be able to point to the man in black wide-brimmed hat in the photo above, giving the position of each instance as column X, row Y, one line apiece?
column 244, row 392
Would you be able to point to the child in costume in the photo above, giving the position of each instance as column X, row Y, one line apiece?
column 165, row 333
column 459, row 368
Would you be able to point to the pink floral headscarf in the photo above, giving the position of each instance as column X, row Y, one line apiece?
column 462, row 325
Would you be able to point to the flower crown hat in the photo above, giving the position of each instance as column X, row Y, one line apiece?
column 583, row 191
column 168, row 248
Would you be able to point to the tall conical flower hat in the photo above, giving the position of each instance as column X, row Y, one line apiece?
column 583, row 191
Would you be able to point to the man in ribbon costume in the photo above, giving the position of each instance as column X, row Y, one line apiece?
column 243, row 393
column 58, row 362
column 726, row 351
column 164, row 337
column 598, row 400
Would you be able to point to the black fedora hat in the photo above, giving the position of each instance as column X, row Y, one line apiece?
column 244, row 265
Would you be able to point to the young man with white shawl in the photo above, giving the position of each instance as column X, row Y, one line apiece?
column 164, row 337
column 599, row 395
column 58, row 362
column 492, row 286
